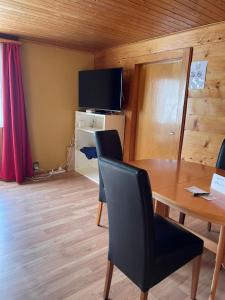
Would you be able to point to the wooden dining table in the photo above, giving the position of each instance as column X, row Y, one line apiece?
column 169, row 180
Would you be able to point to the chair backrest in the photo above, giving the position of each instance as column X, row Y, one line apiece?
column 220, row 164
column 108, row 145
column 130, row 214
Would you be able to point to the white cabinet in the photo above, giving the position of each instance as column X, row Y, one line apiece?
column 85, row 126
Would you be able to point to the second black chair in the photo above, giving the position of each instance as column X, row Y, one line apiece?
column 144, row 246
column 108, row 145
column 220, row 164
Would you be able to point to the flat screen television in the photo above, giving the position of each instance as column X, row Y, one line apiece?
column 101, row 89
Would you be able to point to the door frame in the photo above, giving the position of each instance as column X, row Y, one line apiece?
column 185, row 55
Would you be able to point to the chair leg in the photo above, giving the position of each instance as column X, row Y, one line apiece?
column 144, row 296
column 182, row 218
column 108, row 279
column 154, row 204
column 209, row 226
column 100, row 205
column 195, row 276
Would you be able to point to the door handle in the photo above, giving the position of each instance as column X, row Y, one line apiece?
column 172, row 133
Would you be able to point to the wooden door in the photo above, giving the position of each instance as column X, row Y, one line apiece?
column 160, row 110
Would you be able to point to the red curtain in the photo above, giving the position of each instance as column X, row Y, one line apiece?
column 16, row 156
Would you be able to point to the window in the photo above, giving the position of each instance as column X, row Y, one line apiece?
column 1, row 108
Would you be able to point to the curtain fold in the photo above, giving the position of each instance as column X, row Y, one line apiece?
column 1, row 116
column 16, row 161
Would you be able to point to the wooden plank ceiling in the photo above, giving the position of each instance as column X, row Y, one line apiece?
column 98, row 24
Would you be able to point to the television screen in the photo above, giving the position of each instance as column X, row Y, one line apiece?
column 101, row 89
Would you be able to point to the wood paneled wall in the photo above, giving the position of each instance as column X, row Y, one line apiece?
column 205, row 120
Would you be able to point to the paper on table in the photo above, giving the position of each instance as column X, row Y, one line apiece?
column 218, row 183
column 195, row 189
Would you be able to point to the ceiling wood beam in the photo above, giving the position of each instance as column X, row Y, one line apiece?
column 98, row 24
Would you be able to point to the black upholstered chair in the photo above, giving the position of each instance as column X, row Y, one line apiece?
column 144, row 246
column 108, row 145
column 220, row 164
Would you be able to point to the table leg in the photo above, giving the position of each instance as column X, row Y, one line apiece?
column 224, row 259
column 162, row 209
column 219, row 260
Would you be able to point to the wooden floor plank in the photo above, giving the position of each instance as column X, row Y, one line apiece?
column 51, row 249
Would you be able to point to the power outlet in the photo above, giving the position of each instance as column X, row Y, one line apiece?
column 35, row 165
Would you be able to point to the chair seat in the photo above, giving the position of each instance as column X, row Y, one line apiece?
column 174, row 247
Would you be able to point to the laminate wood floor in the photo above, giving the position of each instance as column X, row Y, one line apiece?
column 51, row 249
